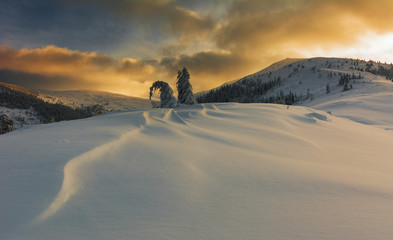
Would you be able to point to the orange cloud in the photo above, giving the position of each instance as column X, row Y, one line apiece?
column 83, row 69
column 256, row 27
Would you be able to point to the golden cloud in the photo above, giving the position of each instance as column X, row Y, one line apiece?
column 256, row 27
column 83, row 69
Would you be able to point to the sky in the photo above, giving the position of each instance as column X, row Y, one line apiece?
column 123, row 46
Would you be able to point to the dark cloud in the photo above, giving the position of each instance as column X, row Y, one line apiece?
column 42, row 22
column 208, row 69
column 188, row 25
column 39, row 81
column 208, row 62
column 172, row 50
column 160, row 15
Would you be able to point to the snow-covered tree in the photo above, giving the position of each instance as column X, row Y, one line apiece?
column 184, row 88
column 166, row 94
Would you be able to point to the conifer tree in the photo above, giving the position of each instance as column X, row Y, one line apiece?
column 184, row 88
column 166, row 94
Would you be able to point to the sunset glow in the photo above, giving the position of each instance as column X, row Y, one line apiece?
column 125, row 46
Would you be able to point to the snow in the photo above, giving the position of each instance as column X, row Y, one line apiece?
column 274, row 67
column 207, row 171
column 110, row 101
column 369, row 104
column 369, row 101
column 21, row 117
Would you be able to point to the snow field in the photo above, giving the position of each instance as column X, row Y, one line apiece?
column 211, row 171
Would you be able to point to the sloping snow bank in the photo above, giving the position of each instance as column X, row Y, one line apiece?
column 214, row 171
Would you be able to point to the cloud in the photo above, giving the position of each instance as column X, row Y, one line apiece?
column 160, row 15
column 38, row 81
column 209, row 69
column 257, row 27
column 61, row 68
column 46, row 22
column 188, row 25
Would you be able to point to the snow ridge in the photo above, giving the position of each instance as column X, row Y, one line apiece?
column 78, row 171
column 211, row 171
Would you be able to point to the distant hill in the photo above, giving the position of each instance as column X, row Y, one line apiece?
column 27, row 107
column 294, row 80
column 18, row 88
column 81, row 98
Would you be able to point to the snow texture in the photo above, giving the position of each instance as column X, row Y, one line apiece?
column 21, row 117
column 211, row 171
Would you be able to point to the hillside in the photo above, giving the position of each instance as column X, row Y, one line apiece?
column 28, row 107
column 25, row 108
column 304, row 79
column 212, row 171
column 328, row 84
column 110, row 101
column 271, row 68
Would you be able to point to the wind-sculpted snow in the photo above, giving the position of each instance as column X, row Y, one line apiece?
column 210, row 171
column 80, row 170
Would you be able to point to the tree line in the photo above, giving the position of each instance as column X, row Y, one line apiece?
column 47, row 112
column 245, row 91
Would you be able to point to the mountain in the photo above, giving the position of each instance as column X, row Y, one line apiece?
column 273, row 67
column 23, row 107
column 328, row 84
column 304, row 79
column 207, row 171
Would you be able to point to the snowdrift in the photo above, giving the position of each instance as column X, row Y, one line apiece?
column 213, row 171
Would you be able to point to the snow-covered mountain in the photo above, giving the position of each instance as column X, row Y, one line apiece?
column 329, row 84
column 275, row 66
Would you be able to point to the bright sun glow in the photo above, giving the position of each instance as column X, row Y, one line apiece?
column 369, row 46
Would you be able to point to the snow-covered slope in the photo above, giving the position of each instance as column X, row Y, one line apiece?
column 278, row 65
column 274, row 67
column 110, row 101
column 368, row 95
column 213, row 171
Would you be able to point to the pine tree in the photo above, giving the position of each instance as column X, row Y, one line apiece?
column 327, row 89
column 184, row 88
column 166, row 95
